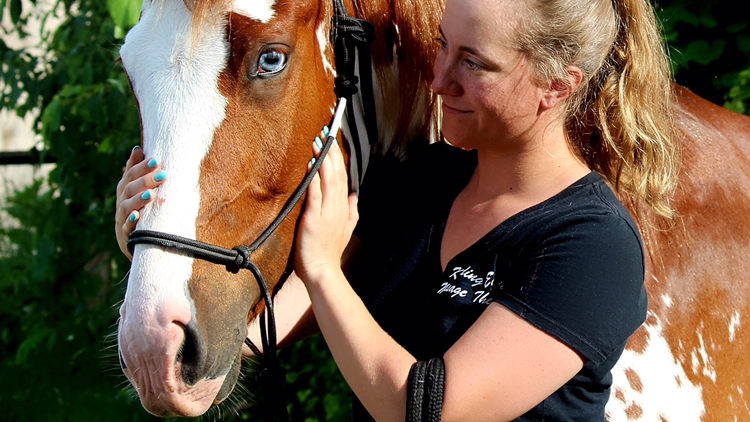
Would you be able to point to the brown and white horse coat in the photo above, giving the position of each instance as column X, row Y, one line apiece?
column 230, row 103
column 207, row 110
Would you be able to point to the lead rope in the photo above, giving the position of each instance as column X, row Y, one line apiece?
column 424, row 395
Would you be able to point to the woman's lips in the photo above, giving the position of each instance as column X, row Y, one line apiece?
column 452, row 110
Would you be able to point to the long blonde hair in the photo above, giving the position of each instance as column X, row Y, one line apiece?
column 619, row 120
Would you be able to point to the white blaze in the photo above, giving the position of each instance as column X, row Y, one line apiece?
column 261, row 10
column 175, row 79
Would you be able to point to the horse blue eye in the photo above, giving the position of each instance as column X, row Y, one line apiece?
column 271, row 62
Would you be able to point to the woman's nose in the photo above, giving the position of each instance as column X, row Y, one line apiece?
column 443, row 82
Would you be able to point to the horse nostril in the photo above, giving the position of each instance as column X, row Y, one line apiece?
column 193, row 354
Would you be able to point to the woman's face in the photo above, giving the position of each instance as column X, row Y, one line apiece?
column 489, row 100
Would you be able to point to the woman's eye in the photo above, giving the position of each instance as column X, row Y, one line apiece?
column 271, row 62
column 473, row 65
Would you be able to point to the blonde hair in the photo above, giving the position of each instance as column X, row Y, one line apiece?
column 619, row 120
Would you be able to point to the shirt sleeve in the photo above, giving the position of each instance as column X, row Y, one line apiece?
column 582, row 283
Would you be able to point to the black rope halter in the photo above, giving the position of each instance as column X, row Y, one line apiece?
column 272, row 375
column 351, row 38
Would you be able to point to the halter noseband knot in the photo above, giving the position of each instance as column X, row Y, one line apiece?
column 242, row 259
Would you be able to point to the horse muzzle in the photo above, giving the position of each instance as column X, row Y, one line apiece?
column 172, row 369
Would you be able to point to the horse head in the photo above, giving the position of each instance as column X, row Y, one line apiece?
column 231, row 94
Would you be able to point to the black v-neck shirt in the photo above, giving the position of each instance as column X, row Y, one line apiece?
column 571, row 266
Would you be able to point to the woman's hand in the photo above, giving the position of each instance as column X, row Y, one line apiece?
column 134, row 191
column 328, row 220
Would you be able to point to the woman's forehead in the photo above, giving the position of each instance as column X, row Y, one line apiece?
column 482, row 25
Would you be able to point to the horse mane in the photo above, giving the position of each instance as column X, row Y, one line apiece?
column 203, row 8
column 406, row 35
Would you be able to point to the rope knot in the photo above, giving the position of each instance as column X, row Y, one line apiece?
column 346, row 85
column 241, row 260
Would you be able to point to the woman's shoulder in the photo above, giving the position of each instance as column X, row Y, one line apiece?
column 588, row 199
column 426, row 169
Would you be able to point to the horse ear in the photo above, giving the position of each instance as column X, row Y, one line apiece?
column 560, row 90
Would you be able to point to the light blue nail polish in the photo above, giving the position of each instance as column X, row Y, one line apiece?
column 153, row 163
column 312, row 162
column 325, row 130
column 318, row 143
column 146, row 195
column 160, row 176
column 134, row 148
column 133, row 216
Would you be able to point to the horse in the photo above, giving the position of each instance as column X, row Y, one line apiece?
column 231, row 93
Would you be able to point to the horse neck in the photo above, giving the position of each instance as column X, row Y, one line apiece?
column 402, row 57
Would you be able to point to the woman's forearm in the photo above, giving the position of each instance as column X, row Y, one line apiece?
column 373, row 364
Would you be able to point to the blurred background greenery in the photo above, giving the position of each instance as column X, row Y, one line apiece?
column 61, row 273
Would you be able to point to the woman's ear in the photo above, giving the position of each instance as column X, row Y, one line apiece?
column 559, row 90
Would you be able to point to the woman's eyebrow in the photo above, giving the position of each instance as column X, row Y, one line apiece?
column 474, row 52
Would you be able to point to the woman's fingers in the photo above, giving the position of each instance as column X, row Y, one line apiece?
column 136, row 156
column 144, row 175
column 353, row 211
column 134, row 191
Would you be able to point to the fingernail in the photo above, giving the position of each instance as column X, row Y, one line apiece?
column 135, row 148
column 312, row 162
column 325, row 130
column 133, row 216
column 318, row 143
column 146, row 195
column 160, row 176
column 153, row 162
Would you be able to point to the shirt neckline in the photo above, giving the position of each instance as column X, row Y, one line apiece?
column 437, row 228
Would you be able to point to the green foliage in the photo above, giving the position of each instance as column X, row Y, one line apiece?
column 60, row 269
column 125, row 13
column 710, row 49
column 61, row 272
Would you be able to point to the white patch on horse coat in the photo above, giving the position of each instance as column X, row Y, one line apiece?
column 667, row 300
column 701, row 362
column 323, row 42
column 261, row 10
column 734, row 324
column 175, row 79
column 666, row 390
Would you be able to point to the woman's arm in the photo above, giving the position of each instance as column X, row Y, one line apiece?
column 499, row 369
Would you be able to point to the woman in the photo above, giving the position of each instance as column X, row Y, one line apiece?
column 508, row 254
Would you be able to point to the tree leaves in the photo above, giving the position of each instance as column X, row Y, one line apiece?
column 16, row 8
column 710, row 49
column 125, row 13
